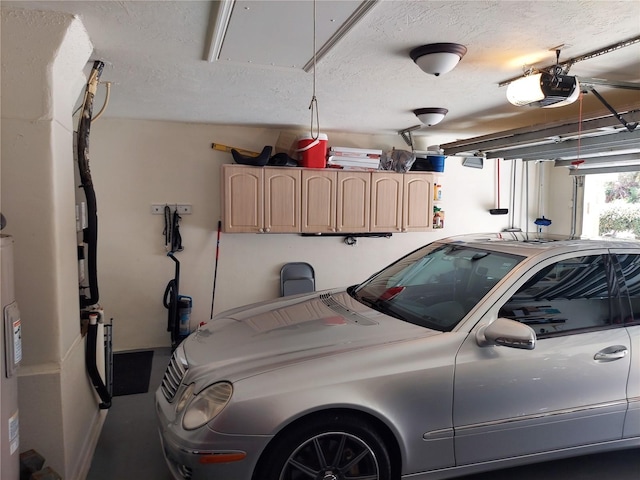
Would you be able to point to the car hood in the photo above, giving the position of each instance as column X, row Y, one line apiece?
column 261, row 337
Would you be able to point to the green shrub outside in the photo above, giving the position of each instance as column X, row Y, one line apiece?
column 620, row 217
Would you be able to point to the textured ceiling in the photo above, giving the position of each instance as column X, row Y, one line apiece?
column 155, row 54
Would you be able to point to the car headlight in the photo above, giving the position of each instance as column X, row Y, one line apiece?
column 206, row 405
column 185, row 397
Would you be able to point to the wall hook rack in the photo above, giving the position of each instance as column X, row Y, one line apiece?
column 182, row 208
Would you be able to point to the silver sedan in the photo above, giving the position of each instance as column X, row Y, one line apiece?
column 470, row 354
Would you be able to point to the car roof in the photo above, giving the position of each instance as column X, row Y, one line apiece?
column 532, row 244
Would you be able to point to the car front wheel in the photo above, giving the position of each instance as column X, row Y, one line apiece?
column 336, row 447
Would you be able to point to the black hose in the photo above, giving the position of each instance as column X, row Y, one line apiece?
column 90, row 234
column 170, row 302
column 92, row 368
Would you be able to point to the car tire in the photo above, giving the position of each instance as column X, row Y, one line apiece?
column 336, row 446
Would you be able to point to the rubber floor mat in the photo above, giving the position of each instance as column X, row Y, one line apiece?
column 131, row 372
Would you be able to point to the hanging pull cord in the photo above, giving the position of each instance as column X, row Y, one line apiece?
column 313, row 106
column 578, row 161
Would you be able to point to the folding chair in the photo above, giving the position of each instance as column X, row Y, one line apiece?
column 295, row 278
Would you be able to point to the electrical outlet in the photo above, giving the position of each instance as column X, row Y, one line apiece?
column 184, row 209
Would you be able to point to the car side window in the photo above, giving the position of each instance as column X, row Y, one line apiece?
column 568, row 296
column 628, row 269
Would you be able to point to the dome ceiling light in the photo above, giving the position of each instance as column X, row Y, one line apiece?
column 438, row 58
column 430, row 116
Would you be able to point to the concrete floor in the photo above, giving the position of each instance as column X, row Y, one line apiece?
column 129, row 447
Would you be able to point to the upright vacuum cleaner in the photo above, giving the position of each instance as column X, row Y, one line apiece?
column 179, row 306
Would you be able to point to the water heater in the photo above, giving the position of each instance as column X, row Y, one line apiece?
column 10, row 354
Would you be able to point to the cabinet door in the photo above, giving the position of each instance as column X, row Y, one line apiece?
column 242, row 199
column 354, row 202
column 282, row 200
column 386, row 202
column 417, row 214
column 319, row 201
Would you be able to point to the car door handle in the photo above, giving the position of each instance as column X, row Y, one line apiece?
column 609, row 354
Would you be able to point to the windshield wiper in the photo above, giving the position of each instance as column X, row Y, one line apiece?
column 380, row 305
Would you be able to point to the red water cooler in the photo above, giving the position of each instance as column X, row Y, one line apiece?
column 11, row 354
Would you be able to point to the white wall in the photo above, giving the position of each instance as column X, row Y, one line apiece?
column 550, row 195
column 136, row 164
column 43, row 56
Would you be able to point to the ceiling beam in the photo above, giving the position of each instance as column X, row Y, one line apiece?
column 531, row 135
column 601, row 160
column 355, row 17
column 584, row 81
column 623, row 141
column 604, row 169
column 218, row 22
column 567, row 64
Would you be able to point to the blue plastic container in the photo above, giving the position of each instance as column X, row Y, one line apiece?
column 436, row 163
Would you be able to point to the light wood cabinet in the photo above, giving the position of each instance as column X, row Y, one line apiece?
column 261, row 200
column 321, row 201
column 353, row 202
column 335, row 201
column 417, row 208
column 242, row 199
column 401, row 202
column 387, row 191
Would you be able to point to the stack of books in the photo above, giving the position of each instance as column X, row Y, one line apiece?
column 354, row 158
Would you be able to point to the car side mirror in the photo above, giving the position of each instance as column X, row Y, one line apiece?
column 507, row 333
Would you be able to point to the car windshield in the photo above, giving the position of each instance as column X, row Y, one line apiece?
column 435, row 286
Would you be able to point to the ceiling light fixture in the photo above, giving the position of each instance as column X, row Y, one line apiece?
column 438, row 58
column 430, row 116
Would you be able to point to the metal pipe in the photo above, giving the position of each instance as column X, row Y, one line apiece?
column 629, row 126
column 90, row 360
column 108, row 356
